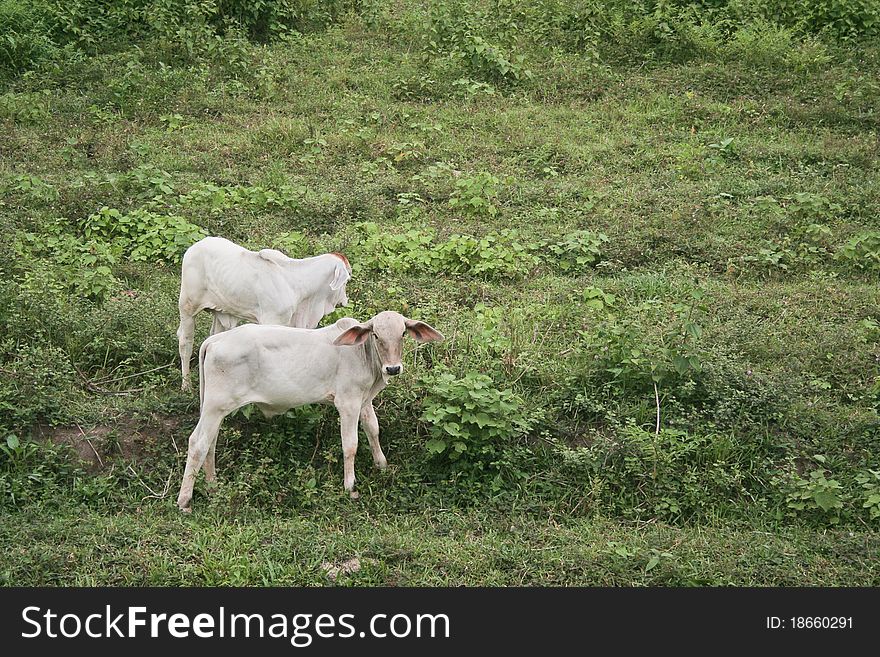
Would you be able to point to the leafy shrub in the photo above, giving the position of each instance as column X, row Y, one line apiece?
column 673, row 474
column 489, row 341
column 58, row 260
column 476, row 194
column 874, row 394
column 100, row 489
column 143, row 235
column 760, row 43
column 294, row 243
column 815, row 496
column 434, row 179
column 28, row 108
column 763, row 42
column 474, row 428
column 36, row 472
column 89, row 23
column 272, row 462
column 869, row 482
column 125, row 334
column 805, row 206
column 258, row 480
column 30, row 472
column 496, row 254
column 145, row 183
column 598, row 299
column 454, row 32
column 410, row 250
column 862, row 252
column 32, row 378
column 668, row 32
column 183, row 31
column 801, row 249
column 414, row 249
column 759, row 32
column 844, row 18
column 487, row 61
column 267, row 19
column 469, row 88
column 623, row 357
column 805, row 243
column 578, row 250
column 728, row 395
column 94, row 24
column 31, row 189
column 25, row 40
column 420, row 87
column 618, row 352
column 218, row 198
column 573, row 26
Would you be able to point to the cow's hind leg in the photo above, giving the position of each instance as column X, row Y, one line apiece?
column 200, row 443
column 370, row 423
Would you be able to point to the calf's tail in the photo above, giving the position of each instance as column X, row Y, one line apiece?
column 203, row 351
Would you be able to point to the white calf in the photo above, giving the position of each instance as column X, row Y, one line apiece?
column 277, row 368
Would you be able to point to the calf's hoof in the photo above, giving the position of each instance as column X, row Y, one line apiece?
column 183, row 503
column 354, row 494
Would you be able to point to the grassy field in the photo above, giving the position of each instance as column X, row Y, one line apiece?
column 649, row 231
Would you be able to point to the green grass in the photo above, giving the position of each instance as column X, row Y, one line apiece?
column 707, row 160
column 159, row 547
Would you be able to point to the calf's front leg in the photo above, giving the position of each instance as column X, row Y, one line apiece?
column 371, row 426
column 348, row 424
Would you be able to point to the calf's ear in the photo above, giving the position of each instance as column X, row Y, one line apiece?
column 422, row 332
column 354, row 336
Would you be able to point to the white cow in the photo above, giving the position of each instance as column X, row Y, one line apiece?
column 277, row 368
column 264, row 286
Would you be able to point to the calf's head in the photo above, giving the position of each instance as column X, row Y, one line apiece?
column 387, row 330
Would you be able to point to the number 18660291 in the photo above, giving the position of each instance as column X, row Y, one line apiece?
column 810, row 623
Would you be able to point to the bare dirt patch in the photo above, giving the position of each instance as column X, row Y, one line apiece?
column 130, row 439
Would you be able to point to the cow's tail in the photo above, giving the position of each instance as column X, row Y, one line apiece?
column 203, row 351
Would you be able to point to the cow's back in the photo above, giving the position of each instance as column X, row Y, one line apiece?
column 220, row 275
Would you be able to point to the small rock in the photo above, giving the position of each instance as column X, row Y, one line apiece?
column 353, row 565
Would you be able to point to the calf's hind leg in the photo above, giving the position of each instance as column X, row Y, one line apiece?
column 201, row 441
column 210, row 471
